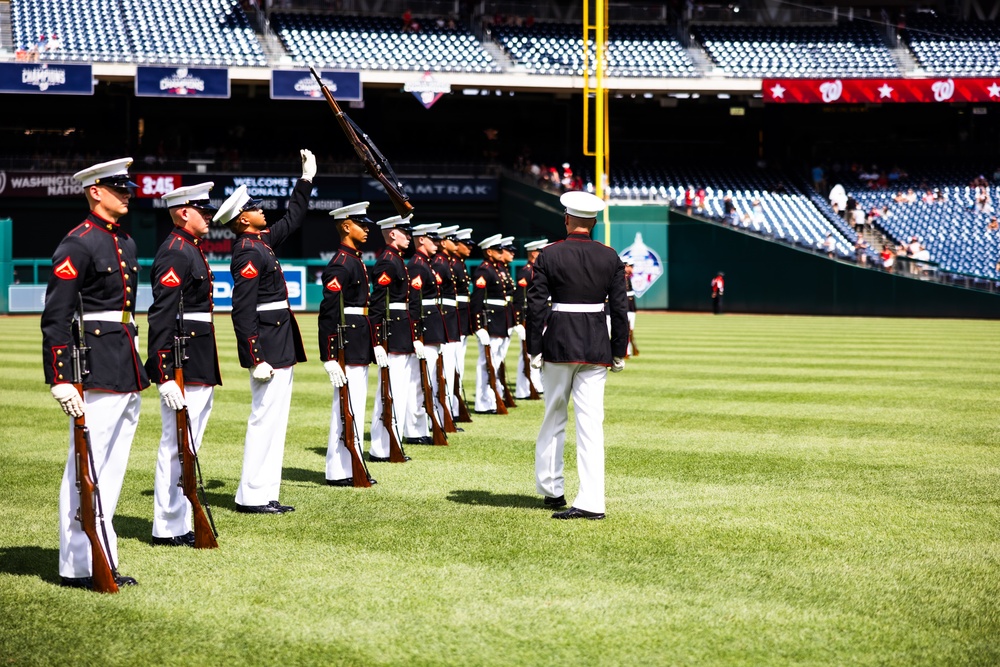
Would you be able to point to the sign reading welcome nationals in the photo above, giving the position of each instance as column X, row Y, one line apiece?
column 47, row 78
column 181, row 82
column 299, row 84
column 878, row 91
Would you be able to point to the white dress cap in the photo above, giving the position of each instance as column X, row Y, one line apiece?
column 113, row 173
column 190, row 195
column 396, row 222
column 359, row 211
column 535, row 245
column 238, row 202
column 582, row 204
column 506, row 241
column 447, row 232
column 490, row 241
column 426, row 229
column 464, row 234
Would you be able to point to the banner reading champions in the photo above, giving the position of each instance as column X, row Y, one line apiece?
column 299, row 84
column 47, row 78
column 181, row 82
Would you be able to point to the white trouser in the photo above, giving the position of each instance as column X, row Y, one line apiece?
column 448, row 351
column 485, row 398
column 402, row 392
column 417, row 421
column 458, row 393
column 111, row 420
column 585, row 383
column 521, row 388
column 264, row 446
column 338, row 458
column 631, row 328
column 171, row 509
column 414, row 424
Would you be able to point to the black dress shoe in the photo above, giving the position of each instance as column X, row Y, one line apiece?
column 425, row 440
column 378, row 459
column 281, row 508
column 186, row 540
column 459, row 429
column 257, row 509
column 574, row 513
column 347, row 481
column 122, row 580
column 555, row 502
column 77, row 582
column 485, row 412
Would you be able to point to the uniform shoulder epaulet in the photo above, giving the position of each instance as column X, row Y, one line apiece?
column 81, row 229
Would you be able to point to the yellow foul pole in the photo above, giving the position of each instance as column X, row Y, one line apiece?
column 595, row 29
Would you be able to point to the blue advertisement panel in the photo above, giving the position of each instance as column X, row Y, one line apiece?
column 181, row 82
column 438, row 188
column 299, row 84
column 47, row 78
column 222, row 286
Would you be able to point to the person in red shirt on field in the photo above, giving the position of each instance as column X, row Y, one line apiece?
column 718, row 287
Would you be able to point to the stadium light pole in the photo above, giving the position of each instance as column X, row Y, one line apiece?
column 596, row 31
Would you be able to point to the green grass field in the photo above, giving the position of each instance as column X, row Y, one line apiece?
column 781, row 491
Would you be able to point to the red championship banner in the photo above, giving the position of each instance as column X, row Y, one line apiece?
column 862, row 91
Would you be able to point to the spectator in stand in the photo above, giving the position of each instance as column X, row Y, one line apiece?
column 888, row 258
column 819, row 179
column 756, row 217
column 689, row 199
column 729, row 215
column 407, row 19
column 829, row 245
column 861, row 251
column 899, row 197
column 928, row 196
column 910, row 196
column 838, row 199
column 699, row 201
column 992, row 225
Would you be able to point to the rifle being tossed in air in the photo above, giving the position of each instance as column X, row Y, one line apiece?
column 187, row 453
column 91, row 510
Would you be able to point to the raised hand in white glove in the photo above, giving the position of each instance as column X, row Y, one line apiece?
column 308, row 164
column 381, row 357
column 617, row 365
column 337, row 376
column 262, row 372
column 519, row 330
column 484, row 336
column 536, row 361
column 418, row 349
column 171, row 394
column 69, row 399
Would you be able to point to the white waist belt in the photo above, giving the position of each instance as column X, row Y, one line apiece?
column 355, row 310
column 578, row 307
column 398, row 306
column 496, row 302
column 197, row 317
column 120, row 316
column 449, row 302
column 630, row 293
column 462, row 299
column 427, row 303
column 274, row 305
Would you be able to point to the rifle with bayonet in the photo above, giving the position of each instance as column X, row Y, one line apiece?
column 437, row 433
column 491, row 375
column 396, row 453
column 508, row 398
column 459, row 393
column 103, row 572
column 359, row 472
column 376, row 164
column 190, row 480
column 442, row 396
column 526, row 363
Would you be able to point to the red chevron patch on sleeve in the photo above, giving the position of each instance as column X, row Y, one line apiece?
column 384, row 279
column 66, row 270
column 249, row 271
column 522, row 282
column 170, row 279
column 416, row 283
column 333, row 285
column 481, row 281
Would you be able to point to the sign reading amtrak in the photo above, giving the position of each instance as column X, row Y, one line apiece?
column 298, row 84
column 181, row 82
column 48, row 78
column 222, row 286
column 438, row 188
column 646, row 265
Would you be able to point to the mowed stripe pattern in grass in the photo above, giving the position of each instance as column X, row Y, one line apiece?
column 781, row 490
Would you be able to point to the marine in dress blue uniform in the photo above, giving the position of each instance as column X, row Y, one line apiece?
column 443, row 265
column 489, row 317
column 521, row 281
column 345, row 295
column 96, row 261
column 181, row 273
column 569, row 340
column 463, row 245
column 267, row 336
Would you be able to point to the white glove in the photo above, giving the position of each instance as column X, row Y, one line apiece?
column 69, row 398
column 171, row 394
column 536, row 361
column 617, row 365
column 308, row 164
column 381, row 357
column 418, row 349
column 337, row 376
column 519, row 330
column 262, row 372
column 484, row 336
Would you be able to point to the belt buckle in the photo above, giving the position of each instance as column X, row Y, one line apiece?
column 126, row 317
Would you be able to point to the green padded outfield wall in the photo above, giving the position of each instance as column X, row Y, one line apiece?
column 641, row 233
column 767, row 277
